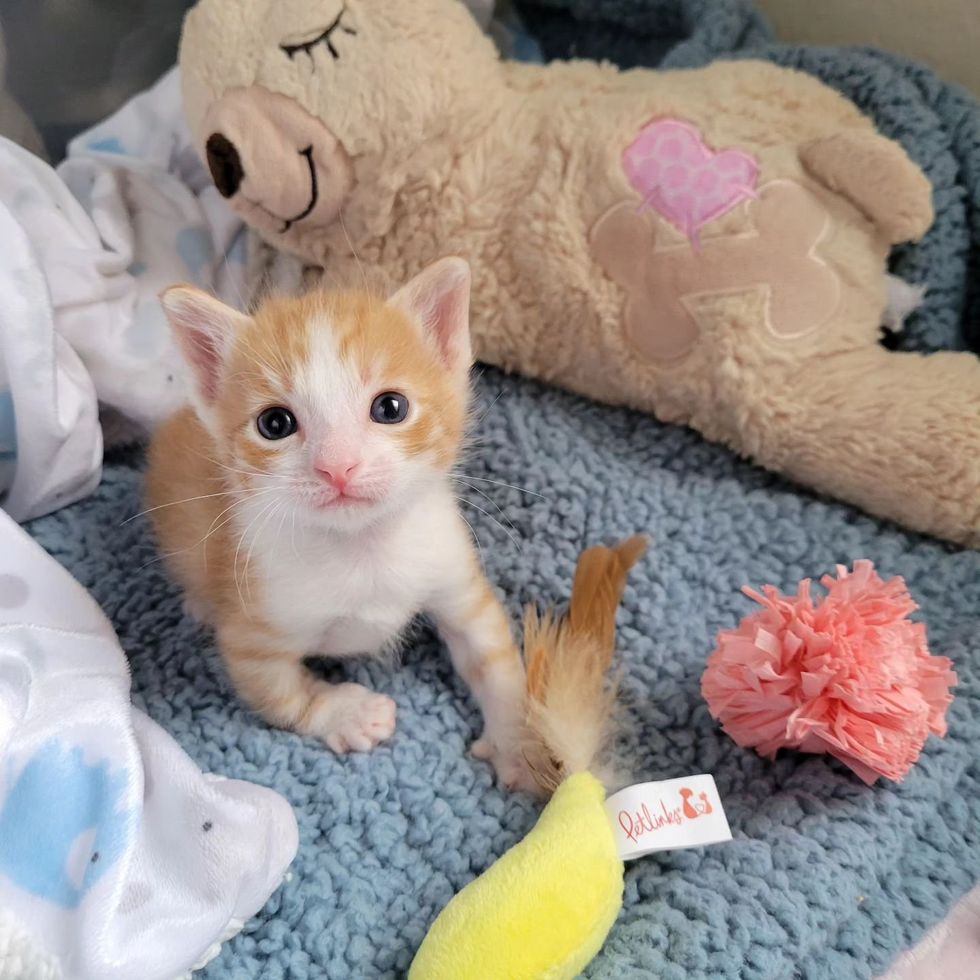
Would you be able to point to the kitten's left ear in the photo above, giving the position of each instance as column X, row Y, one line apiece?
column 439, row 300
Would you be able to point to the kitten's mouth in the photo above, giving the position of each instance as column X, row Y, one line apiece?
column 340, row 501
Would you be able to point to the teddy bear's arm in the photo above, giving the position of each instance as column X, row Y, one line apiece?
column 876, row 175
column 898, row 434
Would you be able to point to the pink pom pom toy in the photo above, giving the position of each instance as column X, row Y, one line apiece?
column 849, row 674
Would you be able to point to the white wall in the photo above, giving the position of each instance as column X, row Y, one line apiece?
column 942, row 33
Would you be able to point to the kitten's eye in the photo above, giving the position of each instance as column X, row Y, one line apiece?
column 389, row 408
column 276, row 423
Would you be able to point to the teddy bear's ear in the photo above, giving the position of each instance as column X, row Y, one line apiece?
column 438, row 300
column 204, row 329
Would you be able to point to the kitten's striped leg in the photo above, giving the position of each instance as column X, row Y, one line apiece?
column 477, row 632
column 278, row 686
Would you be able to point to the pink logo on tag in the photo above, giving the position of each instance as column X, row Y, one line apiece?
column 662, row 816
column 683, row 179
column 636, row 823
column 643, row 821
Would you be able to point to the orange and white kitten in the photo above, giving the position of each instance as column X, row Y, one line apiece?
column 304, row 501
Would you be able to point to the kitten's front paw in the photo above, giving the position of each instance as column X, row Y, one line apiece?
column 508, row 762
column 350, row 718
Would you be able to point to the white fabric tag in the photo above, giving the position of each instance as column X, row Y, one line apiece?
column 667, row 816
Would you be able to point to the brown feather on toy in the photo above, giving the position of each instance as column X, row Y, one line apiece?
column 570, row 697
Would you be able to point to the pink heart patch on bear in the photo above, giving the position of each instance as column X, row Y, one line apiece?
column 683, row 179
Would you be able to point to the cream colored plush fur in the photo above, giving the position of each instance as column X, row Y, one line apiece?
column 420, row 142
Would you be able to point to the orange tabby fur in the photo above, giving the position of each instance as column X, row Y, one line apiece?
column 284, row 564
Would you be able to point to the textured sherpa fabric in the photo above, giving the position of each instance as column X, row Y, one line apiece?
column 937, row 123
column 826, row 880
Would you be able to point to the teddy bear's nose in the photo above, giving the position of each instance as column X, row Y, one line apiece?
column 225, row 164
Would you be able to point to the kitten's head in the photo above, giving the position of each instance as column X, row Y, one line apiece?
column 339, row 406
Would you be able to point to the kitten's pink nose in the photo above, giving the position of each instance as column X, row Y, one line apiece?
column 338, row 474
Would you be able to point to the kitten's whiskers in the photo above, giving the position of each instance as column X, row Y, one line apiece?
column 239, row 580
column 211, row 530
column 516, row 541
column 509, row 486
column 490, row 499
column 187, row 500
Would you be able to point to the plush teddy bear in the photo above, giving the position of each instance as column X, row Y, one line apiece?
column 706, row 245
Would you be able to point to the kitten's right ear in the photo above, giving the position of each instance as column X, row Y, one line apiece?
column 204, row 329
column 438, row 300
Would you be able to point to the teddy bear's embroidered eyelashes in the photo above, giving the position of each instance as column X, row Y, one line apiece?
column 325, row 37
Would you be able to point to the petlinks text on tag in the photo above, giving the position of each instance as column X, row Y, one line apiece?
column 666, row 816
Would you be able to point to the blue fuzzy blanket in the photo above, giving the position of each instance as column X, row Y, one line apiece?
column 827, row 879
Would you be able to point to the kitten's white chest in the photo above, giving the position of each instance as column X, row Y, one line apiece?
column 340, row 604
column 347, row 596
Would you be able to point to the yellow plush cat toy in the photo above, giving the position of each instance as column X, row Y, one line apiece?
column 545, row 908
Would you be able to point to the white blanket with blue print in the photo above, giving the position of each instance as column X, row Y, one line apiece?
column 119, row 859
column 84, row 252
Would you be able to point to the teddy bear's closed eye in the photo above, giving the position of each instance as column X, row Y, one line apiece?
column 324, row 37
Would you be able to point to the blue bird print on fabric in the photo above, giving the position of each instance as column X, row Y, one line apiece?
column 61, row 824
